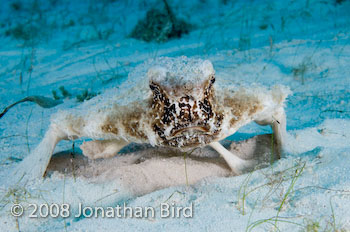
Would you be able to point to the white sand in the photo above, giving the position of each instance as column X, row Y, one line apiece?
column 150, row 169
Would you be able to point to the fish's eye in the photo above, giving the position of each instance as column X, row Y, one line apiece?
column 154, row 87
column 212, row 79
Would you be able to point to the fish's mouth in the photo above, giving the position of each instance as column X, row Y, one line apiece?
column 193, row 129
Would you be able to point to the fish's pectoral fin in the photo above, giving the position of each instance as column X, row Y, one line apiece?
column 35, row 164
column 277, row 120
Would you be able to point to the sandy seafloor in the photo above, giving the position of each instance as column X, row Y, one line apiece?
column 84, row 45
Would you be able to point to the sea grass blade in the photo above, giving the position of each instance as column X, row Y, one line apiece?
column 44, row 102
